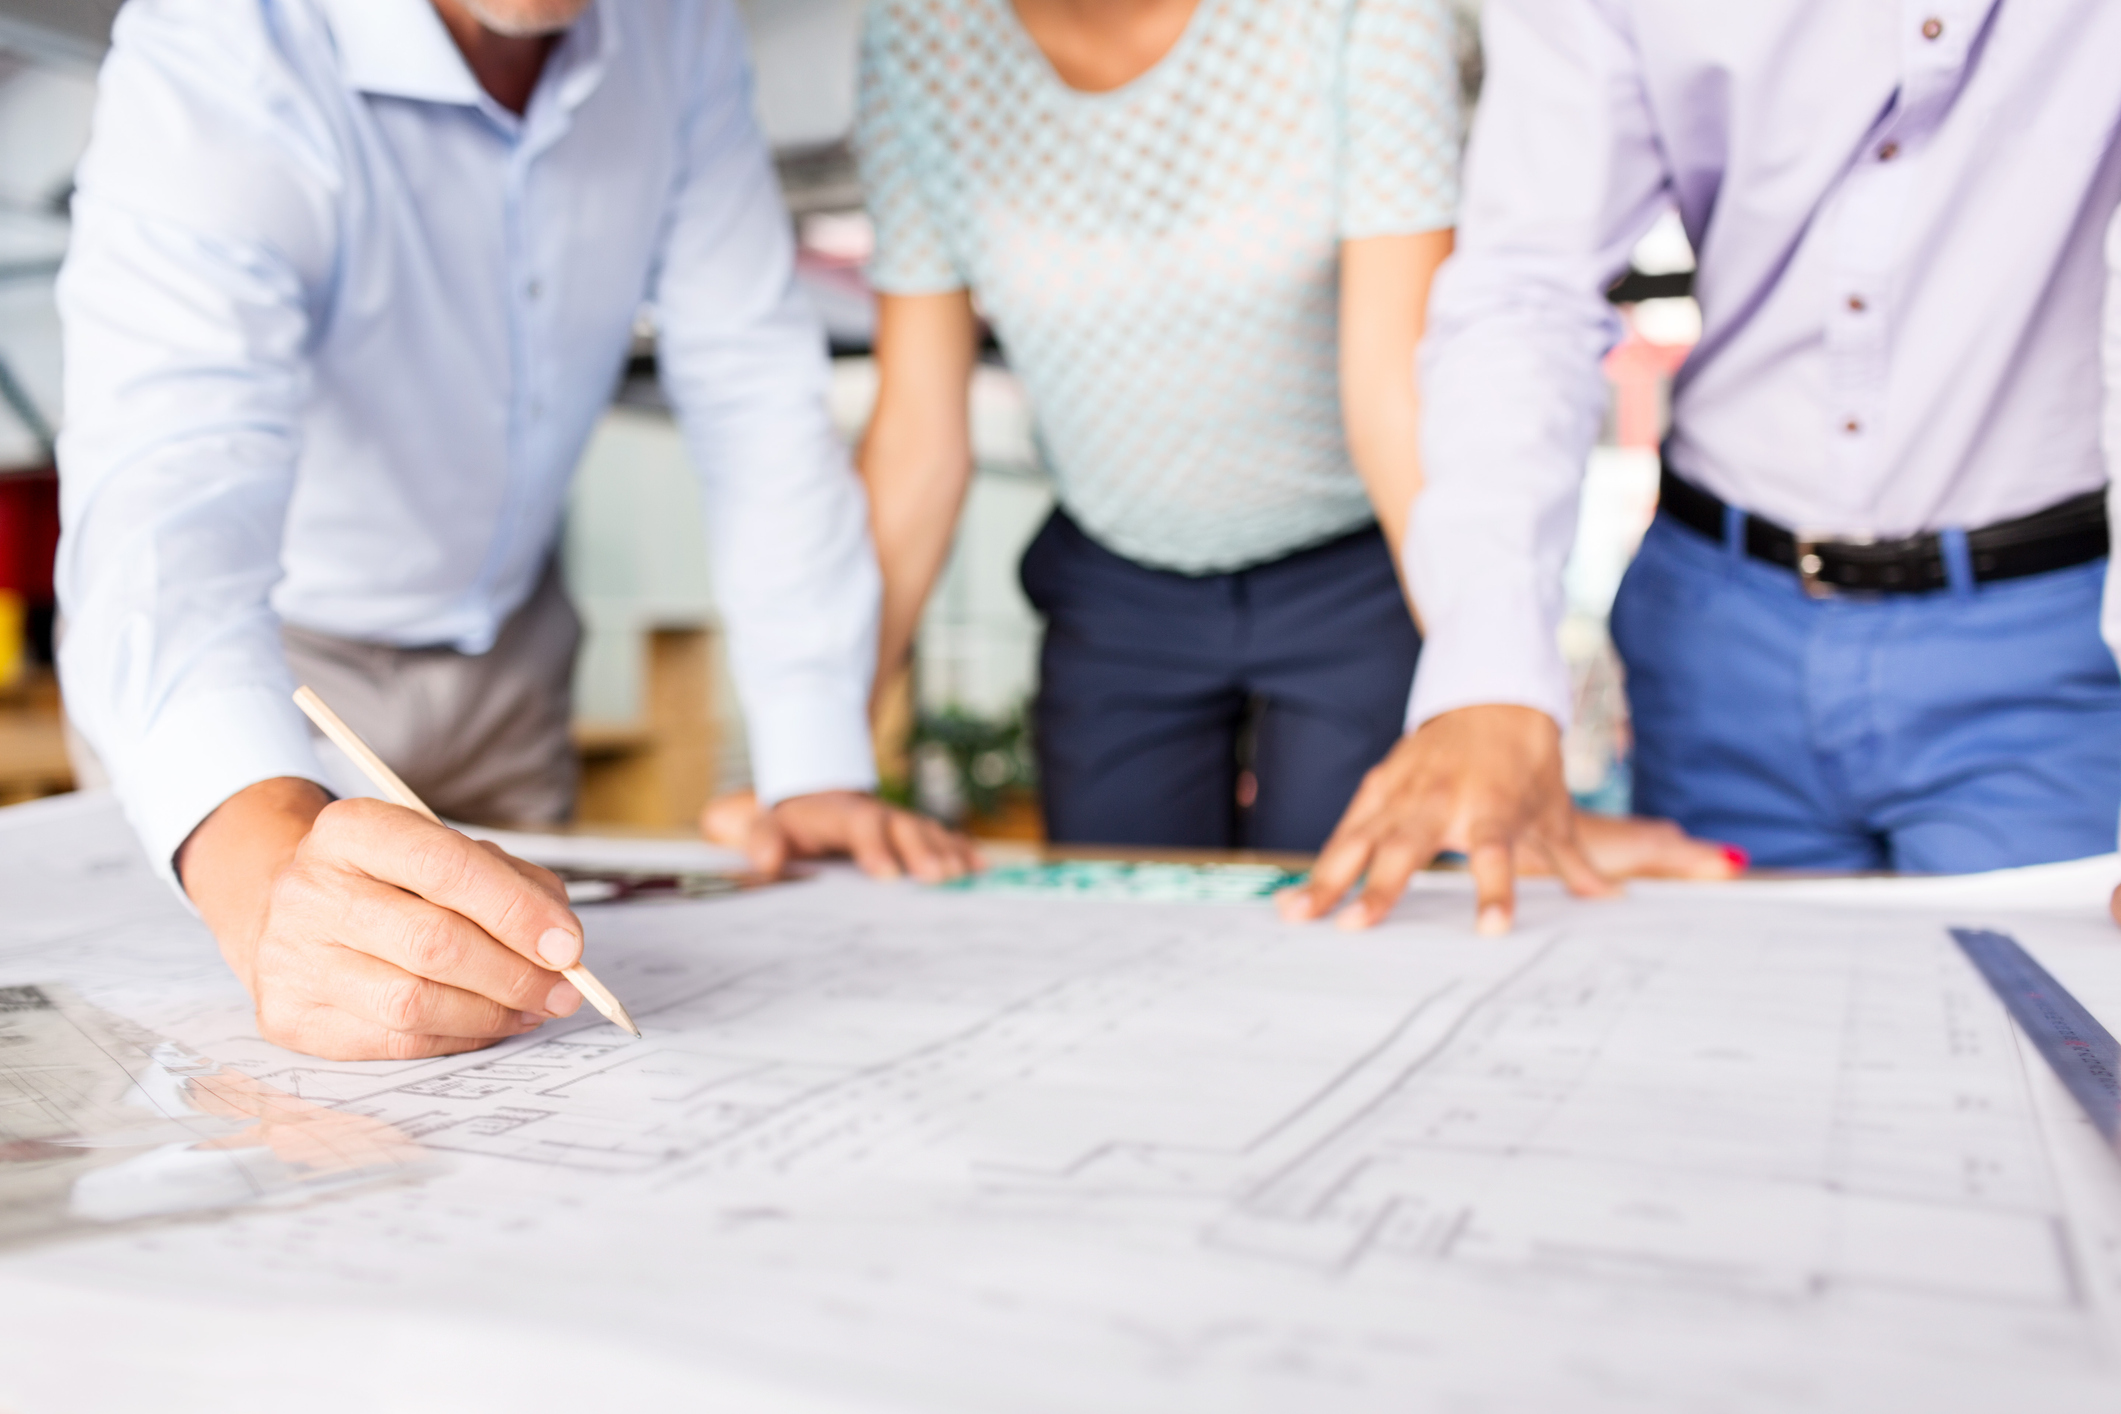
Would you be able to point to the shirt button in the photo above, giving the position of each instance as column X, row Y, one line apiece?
column 534, row 289
column 1888, row 152
column 1852, row 426
column 1857, row 305
column 1932, row 27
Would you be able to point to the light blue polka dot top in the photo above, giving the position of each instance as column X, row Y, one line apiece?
column 1161, row 261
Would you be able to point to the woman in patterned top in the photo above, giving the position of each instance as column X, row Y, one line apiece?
column 1203, row 231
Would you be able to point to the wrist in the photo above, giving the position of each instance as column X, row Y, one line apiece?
column 229, row 862
column 1512, row 718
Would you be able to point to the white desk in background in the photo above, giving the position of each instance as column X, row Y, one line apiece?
column 1752, row 1147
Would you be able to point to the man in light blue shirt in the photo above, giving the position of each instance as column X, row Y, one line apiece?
column 351, row 282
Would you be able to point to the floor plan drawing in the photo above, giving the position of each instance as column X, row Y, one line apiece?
column 890, row 1148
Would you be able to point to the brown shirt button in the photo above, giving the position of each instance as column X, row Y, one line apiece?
column 1888, row 152
column 1932, row 27
column 1857, row 305
column 1852, row 426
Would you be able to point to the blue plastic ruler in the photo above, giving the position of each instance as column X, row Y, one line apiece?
column 2084, row 1053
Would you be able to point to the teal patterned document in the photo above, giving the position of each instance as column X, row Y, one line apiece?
column 1145, row 882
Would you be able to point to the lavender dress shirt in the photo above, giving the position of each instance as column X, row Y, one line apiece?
column 1898, row 208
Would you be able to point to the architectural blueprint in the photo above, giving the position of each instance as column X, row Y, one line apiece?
column 882, row 1148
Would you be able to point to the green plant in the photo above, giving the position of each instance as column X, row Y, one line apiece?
column 965, row 764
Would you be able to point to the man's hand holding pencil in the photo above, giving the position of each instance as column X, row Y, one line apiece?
column 380, row 935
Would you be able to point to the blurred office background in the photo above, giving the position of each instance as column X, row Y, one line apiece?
column 656, row 722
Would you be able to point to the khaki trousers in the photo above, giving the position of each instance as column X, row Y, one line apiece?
column 481, row 738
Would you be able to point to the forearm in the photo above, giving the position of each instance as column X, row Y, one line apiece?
column 787, row 530
column 796, row 581
column 1384, row 296
column 183, row 365
column 1384, row 438
column 916, row 456
column 1489, row 538
column 916, row 491
column 742, row 356
column 1563, row 174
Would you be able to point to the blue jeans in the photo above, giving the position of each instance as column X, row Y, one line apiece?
column 1152, row 684
column 1977, row 727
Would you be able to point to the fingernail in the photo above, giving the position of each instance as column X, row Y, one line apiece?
column 1352, row 918
column 531, row 1018
column 559, row 948
column 1740, row 860
column 562, row 999
column 1494, row 921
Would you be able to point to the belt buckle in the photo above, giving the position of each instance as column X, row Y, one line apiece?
column 1809, row 564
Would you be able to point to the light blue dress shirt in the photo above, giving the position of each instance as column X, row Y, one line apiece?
column 1898, row 208
column 337, row 329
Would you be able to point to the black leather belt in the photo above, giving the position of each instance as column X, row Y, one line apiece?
column 2071, row 532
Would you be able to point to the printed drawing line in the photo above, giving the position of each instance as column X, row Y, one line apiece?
column 835, row 1110
column 1330, row 1127
column 1354, row 1093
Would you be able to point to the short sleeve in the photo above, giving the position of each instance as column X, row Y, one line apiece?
column 1400, row 120
column 899, row 169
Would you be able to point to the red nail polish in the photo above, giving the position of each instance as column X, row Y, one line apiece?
column 1740, row 860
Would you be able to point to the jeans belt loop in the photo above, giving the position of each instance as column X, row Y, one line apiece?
column 1958, row 561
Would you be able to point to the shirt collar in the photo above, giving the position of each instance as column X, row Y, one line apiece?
column 400, row 48
column 578, row 64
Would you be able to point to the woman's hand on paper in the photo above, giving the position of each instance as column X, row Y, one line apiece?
column 366, row 932
column 1635, row 847
column 885, row 841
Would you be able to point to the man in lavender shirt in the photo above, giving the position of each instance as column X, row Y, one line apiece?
column 1864, row 629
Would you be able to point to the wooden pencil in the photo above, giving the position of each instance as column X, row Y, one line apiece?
column 386, row 781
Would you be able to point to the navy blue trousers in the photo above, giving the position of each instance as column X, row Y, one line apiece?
column 1153, row 686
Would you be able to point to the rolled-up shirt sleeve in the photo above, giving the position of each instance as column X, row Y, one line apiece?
column 743, row 359
column 185, row 303
column 1563, row 176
